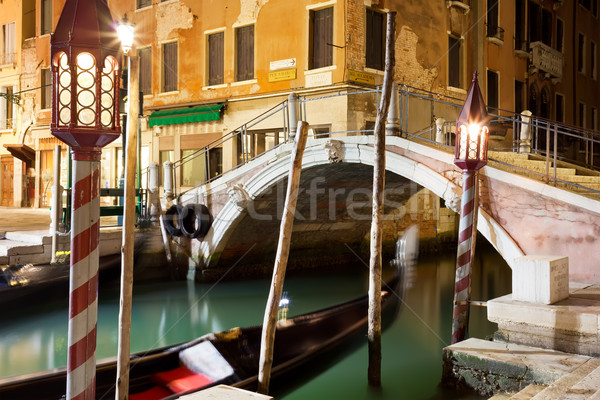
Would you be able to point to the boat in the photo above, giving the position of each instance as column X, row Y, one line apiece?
column 21, row 281
column 230, row 357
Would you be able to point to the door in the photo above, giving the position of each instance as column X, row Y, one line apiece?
column 7, row 166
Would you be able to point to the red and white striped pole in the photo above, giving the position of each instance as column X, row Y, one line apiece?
column 83, row 284
column 470, row 156
column 462, row 285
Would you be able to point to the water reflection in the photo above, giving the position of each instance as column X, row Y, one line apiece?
column 34, row 337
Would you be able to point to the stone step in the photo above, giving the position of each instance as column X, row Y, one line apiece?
column 490, row 366
column 32, row 237
column 11, row 247
column 586, row 388
column 506, row 156
column 540, row 166
column 527, row 393
column 561, row 386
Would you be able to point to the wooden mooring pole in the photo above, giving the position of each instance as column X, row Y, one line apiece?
column 283, row 250
column 374, row 320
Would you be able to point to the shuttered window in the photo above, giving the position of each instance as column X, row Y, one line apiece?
column 169, row 67
column 145, row 77
column 46, row 88
column 46, row 22
column 492, row 90
column 245, row 53
column 144, row 3
column 375, row 40
column 216, row 58
column 454, row 64
column 321, row 38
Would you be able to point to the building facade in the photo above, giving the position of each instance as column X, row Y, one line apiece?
column 209, row 67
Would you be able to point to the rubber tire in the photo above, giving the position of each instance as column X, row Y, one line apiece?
column 172, row 217
column 195, row 220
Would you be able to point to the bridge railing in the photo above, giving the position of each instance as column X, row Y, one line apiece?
column 423, row 115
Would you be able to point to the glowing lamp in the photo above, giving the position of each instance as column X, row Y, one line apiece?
column 126, row 31
column 85, row 53
column 471, row 131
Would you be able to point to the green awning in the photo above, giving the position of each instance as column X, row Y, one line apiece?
column 186, row 115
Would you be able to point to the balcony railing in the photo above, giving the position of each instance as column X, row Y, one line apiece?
column 7, row 58
column 545, row 58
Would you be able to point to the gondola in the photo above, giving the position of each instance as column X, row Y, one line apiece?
column 230, row 357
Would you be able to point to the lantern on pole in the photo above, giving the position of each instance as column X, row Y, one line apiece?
column 470, row 155
column 84, row 50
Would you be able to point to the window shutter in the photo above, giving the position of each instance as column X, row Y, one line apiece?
column 215, row 58
column 46, row 23
column 170, row 67
column 145, row 77
column 322, row 37
column 375, row 40
column 453, row 62
column 245, row 53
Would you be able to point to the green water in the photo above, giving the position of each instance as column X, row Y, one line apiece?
column 33, row 336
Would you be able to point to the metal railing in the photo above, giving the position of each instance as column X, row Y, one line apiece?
column 418, row 111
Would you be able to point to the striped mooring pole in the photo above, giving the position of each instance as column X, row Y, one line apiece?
column 83, row 283
column 470, row 155
column 462, row 284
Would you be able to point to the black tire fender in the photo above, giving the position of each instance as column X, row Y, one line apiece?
column 195, row 220
column 172, row 220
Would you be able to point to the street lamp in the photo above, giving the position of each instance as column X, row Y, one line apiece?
column 126, row 31
column 470, row 155
column 84, row 52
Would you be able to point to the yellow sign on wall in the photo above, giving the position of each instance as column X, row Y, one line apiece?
column 361, row 77
column 282, row 75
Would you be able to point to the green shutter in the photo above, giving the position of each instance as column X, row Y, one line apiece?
column 186, row 115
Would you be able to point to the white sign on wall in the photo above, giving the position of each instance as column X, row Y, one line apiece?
column 320, row 79
column 281, row 64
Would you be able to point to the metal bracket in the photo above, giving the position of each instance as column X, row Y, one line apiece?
column 13, row 98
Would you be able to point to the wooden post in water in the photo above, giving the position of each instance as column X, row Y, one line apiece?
column 128, row 242
column 283, row 250
column 374, row 321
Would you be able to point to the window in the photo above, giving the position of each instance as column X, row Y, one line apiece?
column 492, row 90
column 590, row 5
column 519, row 97
column 454, row 64
column 594, row 124
column 520, row 37
column 581, row 115
column 215, row 58
column 7, row 57
column 169, row 67
column 46, row 22
column 546, row 27
column 145, row 78
column 580, row 53
column 6, row 108
column 535, row 23
column 46, row 88
column 245, row 53
column 321, row 38
column 198, row 169
column 593, row 56
column 492, row 18
column 375, row 40
column 560, row 108
column 560, row 35
column 143, row 3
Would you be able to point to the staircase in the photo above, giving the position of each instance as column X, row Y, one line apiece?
column 582, row 383
column 576, row 179
column 24, row 247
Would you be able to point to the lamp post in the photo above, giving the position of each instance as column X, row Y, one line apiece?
column 84, row 52
column 126, row 31
column 470, row 156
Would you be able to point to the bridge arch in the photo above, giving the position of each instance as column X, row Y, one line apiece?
column 273, row 168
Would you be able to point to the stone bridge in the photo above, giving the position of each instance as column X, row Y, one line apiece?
column 517, row 215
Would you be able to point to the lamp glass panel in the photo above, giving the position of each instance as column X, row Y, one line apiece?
column 107, row 100
column 86, row 89
column 64, row 90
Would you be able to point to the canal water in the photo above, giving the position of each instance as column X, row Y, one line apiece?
column 33, row 336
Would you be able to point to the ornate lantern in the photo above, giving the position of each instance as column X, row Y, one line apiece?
column 85, row 50
column 471, row 131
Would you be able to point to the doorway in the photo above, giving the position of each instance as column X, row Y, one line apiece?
column 7, row 165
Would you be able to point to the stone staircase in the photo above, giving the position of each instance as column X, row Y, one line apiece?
column 569, row 176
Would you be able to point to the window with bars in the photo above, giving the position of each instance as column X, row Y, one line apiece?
column 46, row 88
column 244, row 53
column 7, row 56
column 143, row 3
column 46, row 15
column 321, row 38
column 216, row 58
column 145, row 78
column 375, row 40
column 454, row 63
column 169, row 67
